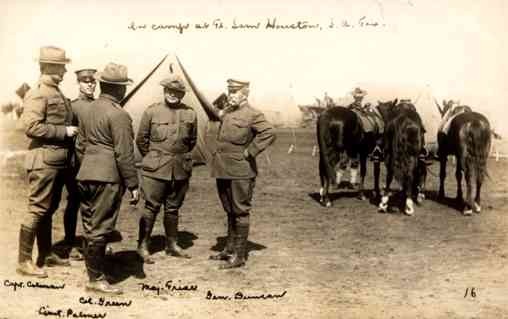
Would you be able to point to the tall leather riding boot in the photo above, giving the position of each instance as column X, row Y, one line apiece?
column 94, row 261
column 229, row 247
column 25, row 264
column 44, row 244
column 240, row 251
column 171, row 229
column 145, row 232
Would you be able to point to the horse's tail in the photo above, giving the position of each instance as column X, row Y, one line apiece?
column 407, row 148
column 329, row 139
column 477, row 149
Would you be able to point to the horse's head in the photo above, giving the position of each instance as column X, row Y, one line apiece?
column 387, row 109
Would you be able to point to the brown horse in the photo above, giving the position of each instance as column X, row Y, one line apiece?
column 341, row 138
column 403, row 145
column 468, row 139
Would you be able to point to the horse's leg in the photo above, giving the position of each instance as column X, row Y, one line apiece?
column 468, row 203
column 383, row 205
column 408, row 191
column 458, row 176
column 363, row 172
column 422, row 180
column 442, row 175
column 377, row 172
column 476, row 205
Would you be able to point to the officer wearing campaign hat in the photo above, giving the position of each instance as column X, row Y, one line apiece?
column 107, row 169
column 166, row 137
column 80, row 108
column 48, row 122
column 243, row 135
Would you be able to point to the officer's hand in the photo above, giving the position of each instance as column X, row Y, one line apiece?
column 246, row 154
column 71, row 130
column 134, row 197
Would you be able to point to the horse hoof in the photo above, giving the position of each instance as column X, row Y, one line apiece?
column 361, row 196
column 409, row 207
column 477, row 208
column 328, row 204
column 383, row 206
column 467, row 212
column 321, row 191
column 420, row 198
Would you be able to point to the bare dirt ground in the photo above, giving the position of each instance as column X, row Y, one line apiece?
column 347, row 261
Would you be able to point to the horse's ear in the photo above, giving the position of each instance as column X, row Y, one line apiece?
column 395, row 101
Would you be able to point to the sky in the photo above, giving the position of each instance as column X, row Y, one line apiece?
column 454, row 49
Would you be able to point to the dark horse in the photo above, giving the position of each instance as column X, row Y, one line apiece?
column 468, row 139
column 340, row 138
column 404, row 158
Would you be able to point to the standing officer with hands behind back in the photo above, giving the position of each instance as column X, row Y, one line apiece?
column 243, row 134
column 166, row 136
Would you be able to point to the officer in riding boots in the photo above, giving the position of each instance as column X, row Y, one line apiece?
column 166, row 137
column 80, row 107
column 243, row 134
column 48, row 122
column 107, row 170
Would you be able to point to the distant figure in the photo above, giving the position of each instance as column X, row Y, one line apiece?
column 106, row 171
column 21, row 92
column 244, row 133
column 167, row 135
column 48, row 122
column 328, row 101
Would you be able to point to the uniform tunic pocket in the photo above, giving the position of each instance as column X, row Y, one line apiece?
column 237, row 132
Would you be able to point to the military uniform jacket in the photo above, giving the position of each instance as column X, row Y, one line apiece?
column 80, row 108
column 46, row 114
column 165, row 139
column 244, row 128
column 109, row 149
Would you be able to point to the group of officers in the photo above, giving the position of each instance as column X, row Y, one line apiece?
column 87, row 146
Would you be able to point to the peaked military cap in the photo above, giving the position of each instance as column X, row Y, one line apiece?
column 237, row 84
column 85, row 75
column 174, row 83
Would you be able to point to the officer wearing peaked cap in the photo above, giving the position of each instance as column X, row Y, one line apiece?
column 166, row 137
column 48, row 122
column 107, row 169
column 80, row 108
column 244, row 133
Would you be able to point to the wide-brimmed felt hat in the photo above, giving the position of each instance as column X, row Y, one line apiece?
column 357, row 92
column 85, row 75
column 114, row 74
column 54, row 55
column 173, row 83
column 237, row 84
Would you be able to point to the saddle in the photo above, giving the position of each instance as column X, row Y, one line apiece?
column 369, row 121
column 450, row 115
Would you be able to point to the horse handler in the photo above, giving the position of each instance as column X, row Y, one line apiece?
column 244, row 133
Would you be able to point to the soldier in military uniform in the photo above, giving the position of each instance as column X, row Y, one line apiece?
column 47, row 118
column 106, row 170
column 166, row 136
column 80, row 107
column 243, row 134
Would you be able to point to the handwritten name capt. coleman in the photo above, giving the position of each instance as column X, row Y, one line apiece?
column 244, row 296
column 14, row 285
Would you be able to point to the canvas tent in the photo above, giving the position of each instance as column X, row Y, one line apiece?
column 149, row 91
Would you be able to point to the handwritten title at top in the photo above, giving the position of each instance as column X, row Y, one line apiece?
column 273, row 24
